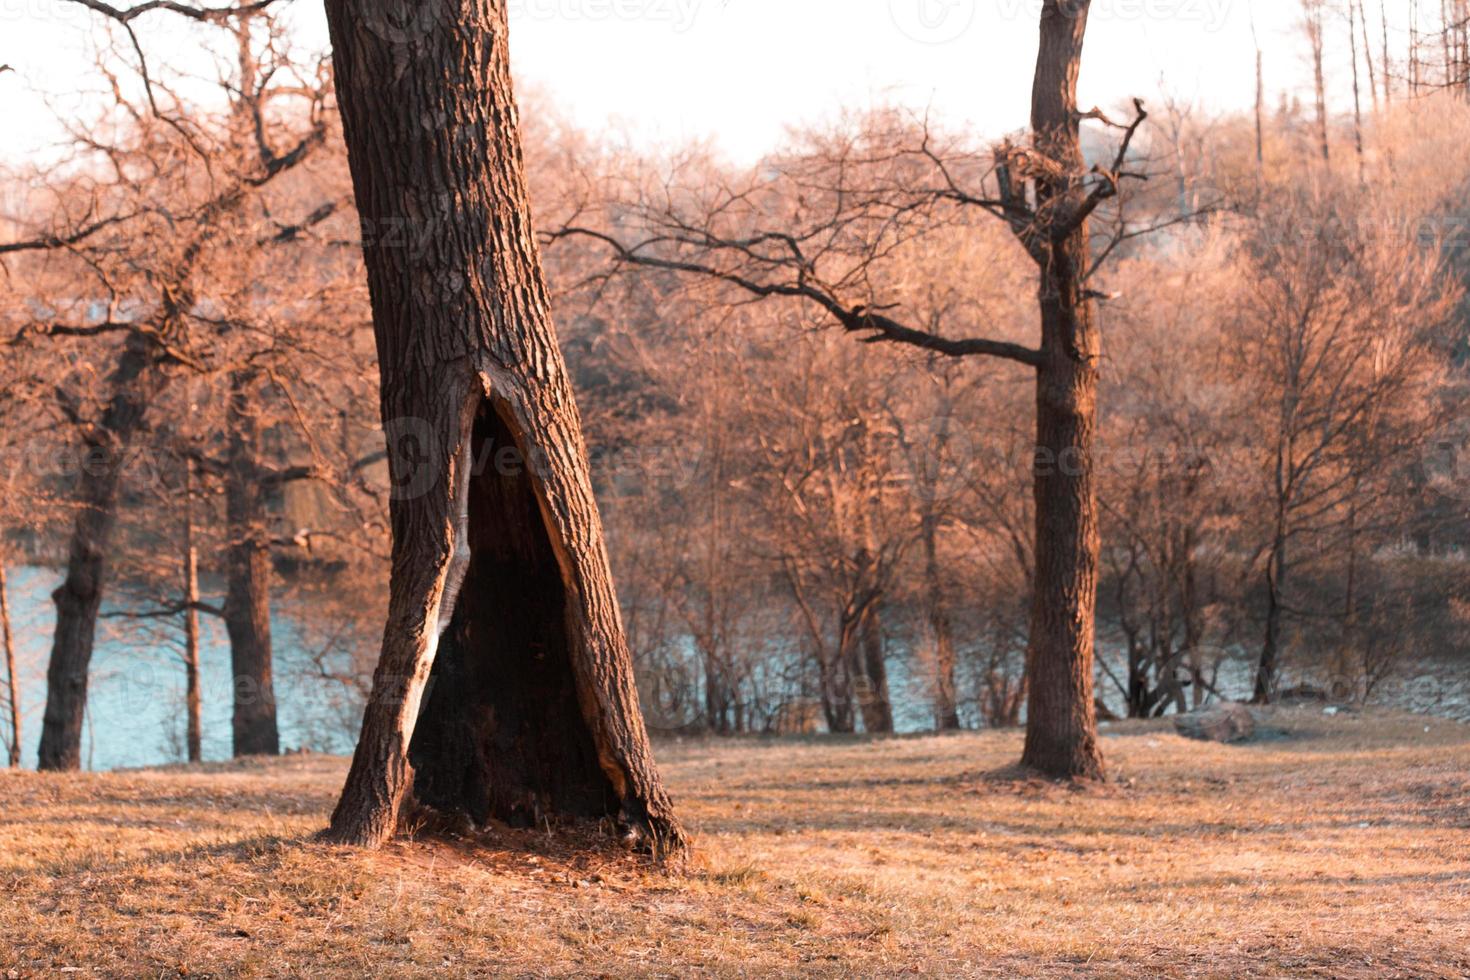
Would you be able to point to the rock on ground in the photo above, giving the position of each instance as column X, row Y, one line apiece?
column 1224, row 722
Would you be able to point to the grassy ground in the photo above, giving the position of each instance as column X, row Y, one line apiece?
column 1340, row 848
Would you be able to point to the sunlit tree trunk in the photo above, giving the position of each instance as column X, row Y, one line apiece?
column 1061, row 723
column 500, row 582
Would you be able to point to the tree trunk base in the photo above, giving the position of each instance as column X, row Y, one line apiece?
column 1073, row 758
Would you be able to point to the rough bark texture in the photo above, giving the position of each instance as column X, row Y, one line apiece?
column 13, row 691
column 134, row 382
column 247, row 596
column 1061, row 723
column 537, row 714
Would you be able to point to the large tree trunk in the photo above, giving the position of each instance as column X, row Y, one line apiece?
column 134, row 383
column 534, row 714
column 248, row 573
column 1061, row 723
column 11, row 687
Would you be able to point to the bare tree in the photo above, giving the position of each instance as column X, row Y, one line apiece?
column 1340, row 332
column 1314, row 25
column 500, row 585
column 859, row 204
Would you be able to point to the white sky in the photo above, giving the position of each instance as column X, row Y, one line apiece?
column 740, row 71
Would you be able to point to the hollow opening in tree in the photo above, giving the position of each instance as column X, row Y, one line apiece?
column 501, row 733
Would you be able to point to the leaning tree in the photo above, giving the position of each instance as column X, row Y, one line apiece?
column 855, row 202
column 501, row 592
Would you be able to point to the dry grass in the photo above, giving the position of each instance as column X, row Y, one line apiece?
column 1337, row 850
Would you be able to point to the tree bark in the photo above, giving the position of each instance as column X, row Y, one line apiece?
column 194, row 736
column 1061, row 722
column 876, row 706
column 10, row 683
column 247, row 596
column 1276, row 570
column 1357, row 92
column 134, row 383
column 1357, row 8
column 534, row 713
column 1386, row 59
column 946, row 707
column 1318, row 41
column 1260, row 109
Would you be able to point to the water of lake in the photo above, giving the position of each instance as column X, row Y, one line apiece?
column 135, row 704
column 135, row 711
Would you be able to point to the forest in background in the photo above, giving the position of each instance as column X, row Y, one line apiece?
column 795, row 520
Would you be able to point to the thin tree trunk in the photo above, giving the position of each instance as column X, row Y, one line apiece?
column 1318, row 41
column 946, row 708
column 247, row 596
column 835, row 683
column 1276, row 567
column 718, row 689
column 1350, row 585
column 192, row 697
column 1361, row 12
column 877, row 707
column 10, row 683
column 1446, row 49
column 1387, row 55
column 535, row 713
column 848, row 671
column 134, row 383
column 1413, row 49
column 1260, row 118
column 1061, row 722
column 1357, row 96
